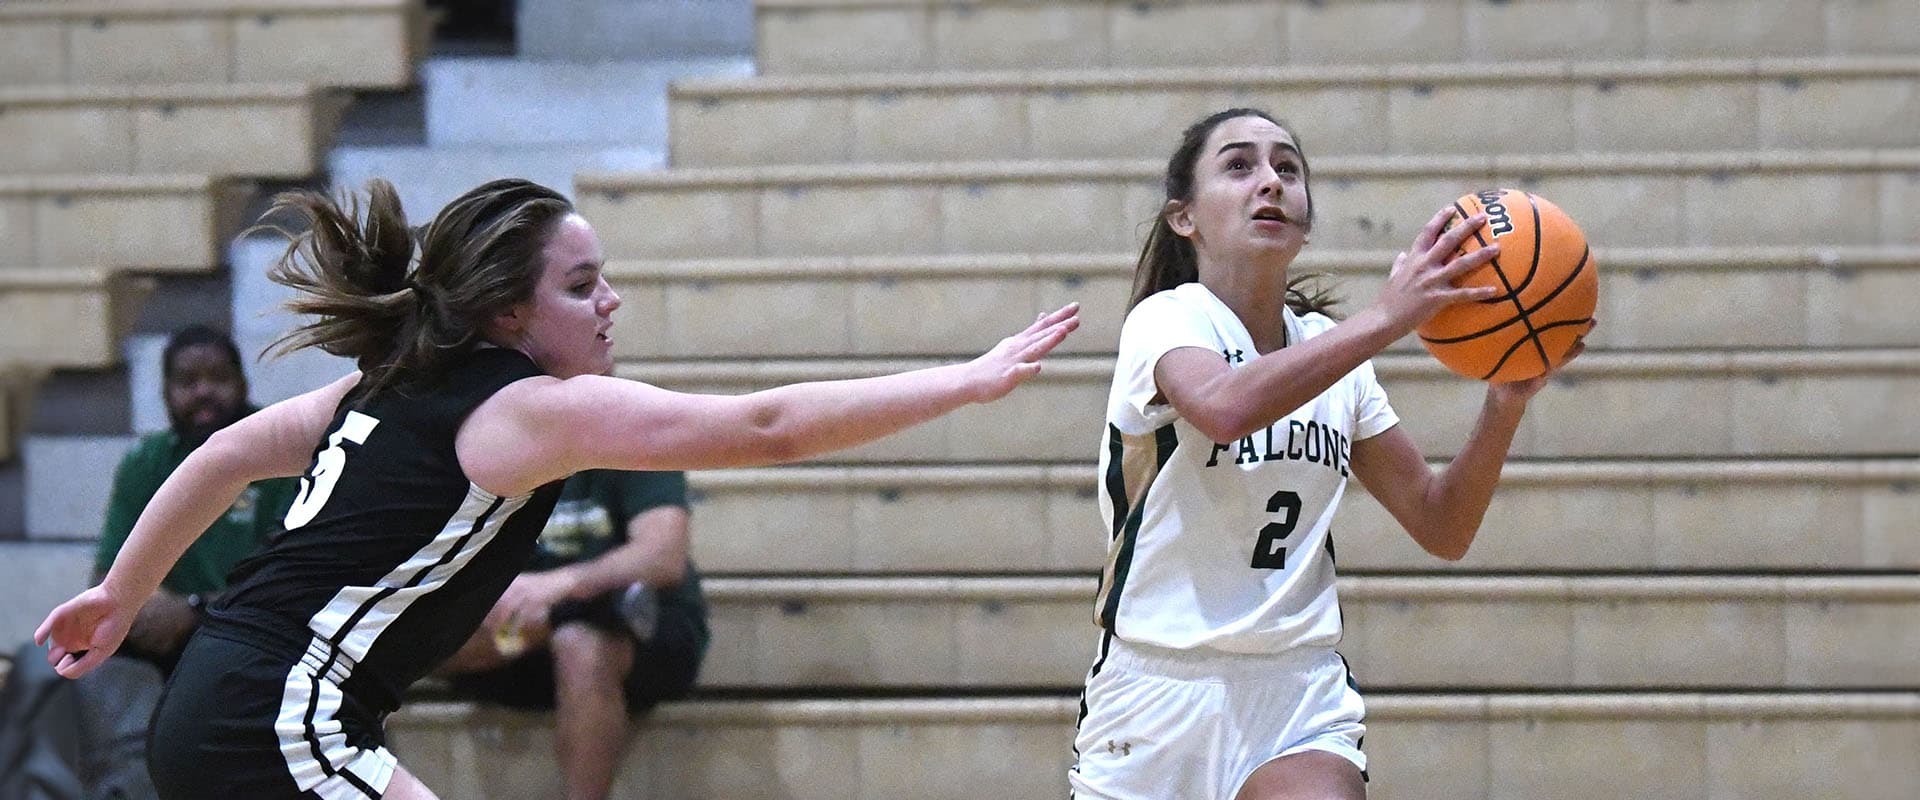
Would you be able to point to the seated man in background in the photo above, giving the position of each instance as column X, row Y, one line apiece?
column 205, row 390
column 607, row 621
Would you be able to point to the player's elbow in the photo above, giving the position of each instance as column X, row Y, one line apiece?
column 1223, row 423
column 1446, row 545
column 1449, row 552
column 771, row 432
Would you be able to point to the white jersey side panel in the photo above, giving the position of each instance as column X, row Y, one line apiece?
column 1223, row 545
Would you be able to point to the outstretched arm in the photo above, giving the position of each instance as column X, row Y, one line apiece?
column 540, row 430
column 275, row 442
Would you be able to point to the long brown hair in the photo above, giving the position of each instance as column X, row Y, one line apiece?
column 400, row 317
column 1168, row 259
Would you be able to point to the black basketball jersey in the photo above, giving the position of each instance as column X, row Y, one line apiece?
column 392, row 556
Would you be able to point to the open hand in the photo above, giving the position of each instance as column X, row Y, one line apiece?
column 1423, row 278
column 82, row 632
column 1017, row 357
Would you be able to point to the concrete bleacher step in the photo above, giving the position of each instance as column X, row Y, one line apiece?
column 259, row 320
column 148, row 222
column 1408, row 632
column 613, row 30
column 274, row 130
column 68, row 482
column 348, row 43
column 855, row 305
column 428, row 178
column 814, row 36
column 1705, row 199
column 515, row 101
column 1587, row 516
column 1827, row 403
column 1774, row 746
column 67, row 317
column 39, row 576
column 1572, row 106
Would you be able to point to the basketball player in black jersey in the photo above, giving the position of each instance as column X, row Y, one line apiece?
column 427, row 474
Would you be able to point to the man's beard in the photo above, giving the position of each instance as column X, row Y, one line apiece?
column 192, row 435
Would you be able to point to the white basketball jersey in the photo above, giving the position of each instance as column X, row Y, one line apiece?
column 1224, row 546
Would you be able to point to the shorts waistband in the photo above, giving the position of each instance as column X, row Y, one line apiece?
column 277, row 638
column 1207, row 664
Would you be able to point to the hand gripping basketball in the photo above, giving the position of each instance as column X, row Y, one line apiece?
column 1535, row 296
column 1425, row 278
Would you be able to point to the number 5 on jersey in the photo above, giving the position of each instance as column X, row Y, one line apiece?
column 317, row 486
column 1270, row 551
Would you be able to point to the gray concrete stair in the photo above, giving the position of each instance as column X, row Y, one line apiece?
column 1695, row 404
column 1596, row 516
column 1415, row 632
column 616, row 30
column 496, row 101
column 1456, row 745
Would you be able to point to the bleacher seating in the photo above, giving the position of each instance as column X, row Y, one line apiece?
column 1651, row 298
column 67, row 317
column 134, row 130
column 1663, row 199
column 1569, row 106
column 1696, row 516
column 1628, row 744
column 270, row 130
column 345, row 43
column 842, row 36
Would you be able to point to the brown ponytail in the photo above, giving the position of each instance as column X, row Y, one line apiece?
column 1168, row 259
column 397, row 316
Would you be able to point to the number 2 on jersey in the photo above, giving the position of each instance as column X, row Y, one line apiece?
column 1270, row 551
column 317, row 486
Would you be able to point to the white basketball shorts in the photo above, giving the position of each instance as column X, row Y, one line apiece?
column 1161, row 724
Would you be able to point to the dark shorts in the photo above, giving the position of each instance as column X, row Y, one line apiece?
column 663, row 669
column 238, row 721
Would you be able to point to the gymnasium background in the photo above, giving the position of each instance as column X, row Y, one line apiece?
column 1699, row 579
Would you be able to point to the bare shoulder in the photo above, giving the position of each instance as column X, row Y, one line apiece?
column 537, row 430
column 545, row 401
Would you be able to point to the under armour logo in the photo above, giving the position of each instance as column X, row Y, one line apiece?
column 1234, row 356
column 1123, row 748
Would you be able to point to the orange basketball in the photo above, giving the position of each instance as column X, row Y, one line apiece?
column 1548, row 288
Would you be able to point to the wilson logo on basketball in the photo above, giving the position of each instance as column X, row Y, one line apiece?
column 1497, row 220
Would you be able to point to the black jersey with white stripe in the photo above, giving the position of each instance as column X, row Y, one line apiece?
column 392, row 556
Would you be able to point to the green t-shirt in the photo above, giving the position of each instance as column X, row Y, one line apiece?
column 255, row 516
column 591, row 518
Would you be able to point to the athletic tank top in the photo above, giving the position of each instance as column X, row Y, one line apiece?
column 391, row 555
column 1223, row 545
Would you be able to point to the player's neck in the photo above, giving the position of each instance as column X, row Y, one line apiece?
column 1258, row 298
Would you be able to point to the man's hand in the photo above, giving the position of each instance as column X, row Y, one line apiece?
column 528, row 601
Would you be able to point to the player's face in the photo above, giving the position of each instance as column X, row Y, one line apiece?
column 204, row 392
column 564, row 328
column 1249, row 193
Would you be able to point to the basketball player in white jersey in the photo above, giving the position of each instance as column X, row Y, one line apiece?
column 1237, row 413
